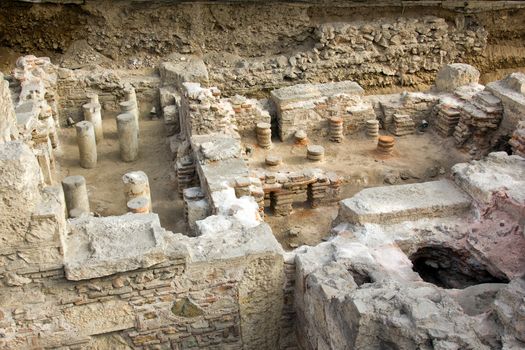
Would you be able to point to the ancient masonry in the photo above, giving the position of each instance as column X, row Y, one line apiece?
column 432, row 261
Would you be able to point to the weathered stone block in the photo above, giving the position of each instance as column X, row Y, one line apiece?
column 183, row 69
column 8, row 127
column 454, row 75
column 404, row 202
column 98, row 318
column 103, row 246
column 481, row 179
column 20, row 178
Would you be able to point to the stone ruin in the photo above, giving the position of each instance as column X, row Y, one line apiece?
column 416, row 201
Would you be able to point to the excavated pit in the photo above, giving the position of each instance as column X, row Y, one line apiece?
column 300, row 168
column 449, row 268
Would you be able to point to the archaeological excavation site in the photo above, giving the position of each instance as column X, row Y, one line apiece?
column 263, row 175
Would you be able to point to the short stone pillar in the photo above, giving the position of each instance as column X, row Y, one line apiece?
column 336, row 129
column 315, row 153
column 300, row 137
column 92, row 113
column 87, row 145
column 273, row 160
column 264, row 135
column 138, row 205
column 75, row 192
column 130, row 107
column 196, row 208
column 372, row 128
column 385, row 145
column 136, row 184
column 127, row 137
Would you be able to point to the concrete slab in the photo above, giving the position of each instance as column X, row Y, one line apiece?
column 393, row 204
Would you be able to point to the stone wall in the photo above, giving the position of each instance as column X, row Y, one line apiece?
column 75, row 85
column 380, row 53
column 102, row 291
column 31, row 218
column 308, row 107
column 8, row 129
column 511, row 92
column 37, row 112
column 480, row 118
column 171, row 304
column 203, row 111
column 417, row 105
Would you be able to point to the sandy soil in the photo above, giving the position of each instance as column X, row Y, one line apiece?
column 419, row 157
column 311, row 225
column 104, row 182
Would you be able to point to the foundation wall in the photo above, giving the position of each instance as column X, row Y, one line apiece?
column 171, row 304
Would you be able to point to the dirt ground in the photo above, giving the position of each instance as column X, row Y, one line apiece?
column 104, row 182
column 417, row 158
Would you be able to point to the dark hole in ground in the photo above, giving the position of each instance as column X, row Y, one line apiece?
column 448, row 268
column 360, row 277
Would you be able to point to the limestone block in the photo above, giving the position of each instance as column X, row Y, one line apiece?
column 168, row 96
column 8, row 128
column 40, row 257
column 48, row 221
column 516, row 81
column 109, row 341
column 404, row 202
column 222, row 240
column 186, row 308
column 261, row 302
column 184, row 69
column 103, row 246
column 26, row 116
column 100, row 317
column 302, row 92
column 20, row 178
column 216, row 147
column 171, row 119
column 454, row 75
column 344, row 298
column 216, row 176
column 12, row 279
column 197, row 210
column 510, row 312
column 512, row 99
column 497, row 172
